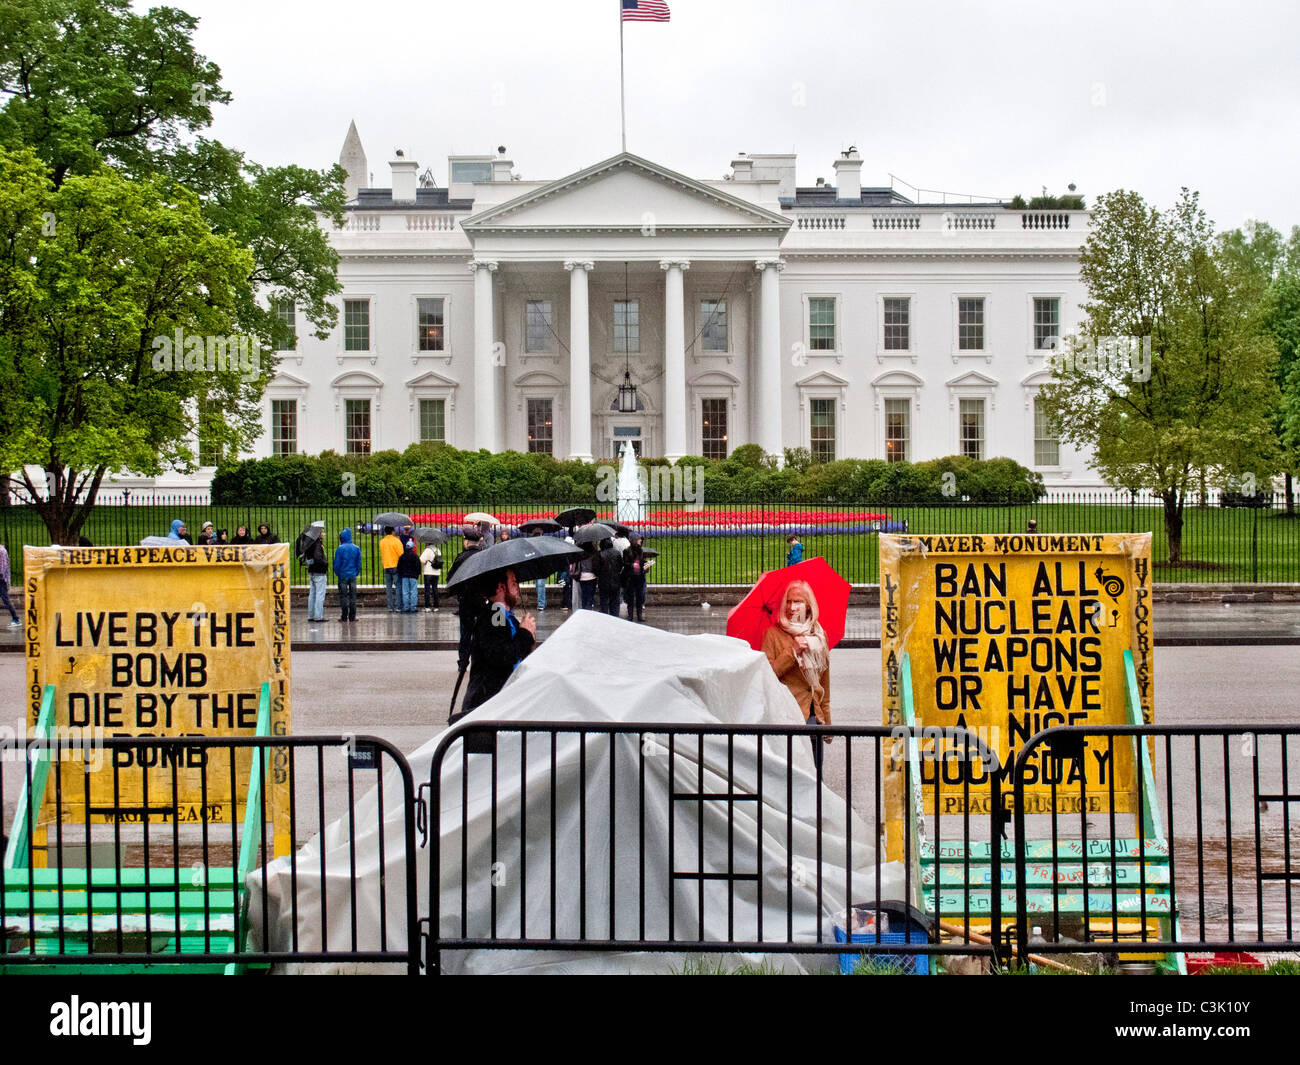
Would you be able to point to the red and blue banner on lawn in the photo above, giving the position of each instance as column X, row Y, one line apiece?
column 645, row 11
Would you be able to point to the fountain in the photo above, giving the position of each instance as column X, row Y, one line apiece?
column 631, row 487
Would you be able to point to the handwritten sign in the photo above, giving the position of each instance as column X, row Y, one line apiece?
column 159, row 641
column 1008, row 635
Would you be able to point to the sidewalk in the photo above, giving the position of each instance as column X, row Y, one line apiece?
column 1176, row 625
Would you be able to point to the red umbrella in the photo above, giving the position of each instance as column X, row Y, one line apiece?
column 749, row 619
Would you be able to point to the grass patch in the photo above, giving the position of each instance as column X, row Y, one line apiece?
column 1219, row 544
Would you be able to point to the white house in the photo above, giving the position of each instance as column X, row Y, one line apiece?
column 493, row 312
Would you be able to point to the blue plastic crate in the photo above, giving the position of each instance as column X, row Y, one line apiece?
column 908, row 964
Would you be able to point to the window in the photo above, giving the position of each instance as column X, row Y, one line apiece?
column 627, row 325
column 471, row 171
column 713, row 327
column 897, row 429
column 898, row 324
column 970, row 324
column 972, row 428
column 821, row 323
column 358, row 426
column 430, row 324
column 209, row 434
column 356, row 325
column 540, row 430
column 537, row 325
column 822, row 429
column 713, row 428
column 284, row 427
column 1047, row 448
column 284, row 329
column 433, row 421
column 1047, row 324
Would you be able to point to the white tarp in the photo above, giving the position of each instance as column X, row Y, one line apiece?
column 599, row 669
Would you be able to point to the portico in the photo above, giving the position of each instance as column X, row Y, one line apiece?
column 626, row 265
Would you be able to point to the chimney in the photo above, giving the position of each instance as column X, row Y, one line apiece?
column 848, row 175
column 404, row 178
column 742, row 168
column 501, row 166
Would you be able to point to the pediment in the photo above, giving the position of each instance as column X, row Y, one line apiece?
column 431, row 379
column 284, row 379
column 898, row 379
column 972, row 379
column 538, row 379
column 626, row 193
column 357, row 379
column 822, row 379
column 714, row 379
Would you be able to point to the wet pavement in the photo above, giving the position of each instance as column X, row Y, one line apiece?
column 1176, row 625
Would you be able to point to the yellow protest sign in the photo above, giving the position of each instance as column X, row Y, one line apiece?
column 1010, row 634
column 159, row 641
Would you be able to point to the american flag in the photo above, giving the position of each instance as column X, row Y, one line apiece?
column 645, row 11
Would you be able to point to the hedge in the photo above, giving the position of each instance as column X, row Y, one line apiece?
column 434, row 473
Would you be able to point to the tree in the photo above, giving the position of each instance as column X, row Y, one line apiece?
column 91, row 84
column 116, row 305
column 1205, row 396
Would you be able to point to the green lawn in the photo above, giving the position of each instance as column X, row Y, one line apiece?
column 1217, row 543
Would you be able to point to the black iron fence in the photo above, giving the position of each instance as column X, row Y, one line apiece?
column 109, row 868
column 1201, row 853
column 735, row 543
column 692, row 839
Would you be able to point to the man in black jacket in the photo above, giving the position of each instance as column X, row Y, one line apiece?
column 500, row 642
column 318, row 573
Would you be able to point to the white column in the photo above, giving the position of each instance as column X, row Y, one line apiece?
column 674, row 360
column 485, row 399
column 579, row 362
column 768, row 376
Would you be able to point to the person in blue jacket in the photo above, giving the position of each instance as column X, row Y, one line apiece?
column 178, row 532
column 347, row 567
column 795, row 554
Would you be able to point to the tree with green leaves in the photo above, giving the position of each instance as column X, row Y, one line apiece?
column 95, row 89
column 1206, row 396
column 114, row 295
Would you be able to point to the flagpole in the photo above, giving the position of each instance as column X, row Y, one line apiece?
column 622, row 101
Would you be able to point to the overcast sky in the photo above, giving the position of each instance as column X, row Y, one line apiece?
column 990, row 98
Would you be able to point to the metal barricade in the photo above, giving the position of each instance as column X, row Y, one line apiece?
column 163, row 885
column 1199, row 854
column 649, row 837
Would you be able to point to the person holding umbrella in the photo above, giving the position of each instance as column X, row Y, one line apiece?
column 500, row 642
column 799, row 652
column 317, row 570
column 795, row 616
column 488, row 582
column 408, row 573
column 431, row 558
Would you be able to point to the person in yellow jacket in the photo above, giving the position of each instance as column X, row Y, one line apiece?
column 390, row 552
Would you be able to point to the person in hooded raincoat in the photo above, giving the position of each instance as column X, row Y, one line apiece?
column 797, row 648
column 265, row 535
column 347, row 567
column 178, row 531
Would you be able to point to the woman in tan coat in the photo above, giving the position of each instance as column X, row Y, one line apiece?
column 796, row 646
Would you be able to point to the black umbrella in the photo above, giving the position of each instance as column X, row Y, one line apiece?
column 593, row 533
column 543, row 525
column 312, row 532
column 575, row 516
column 530, row 557
column 426, row 534
column 619, row 528
column 650, row 552
column 393, row 518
